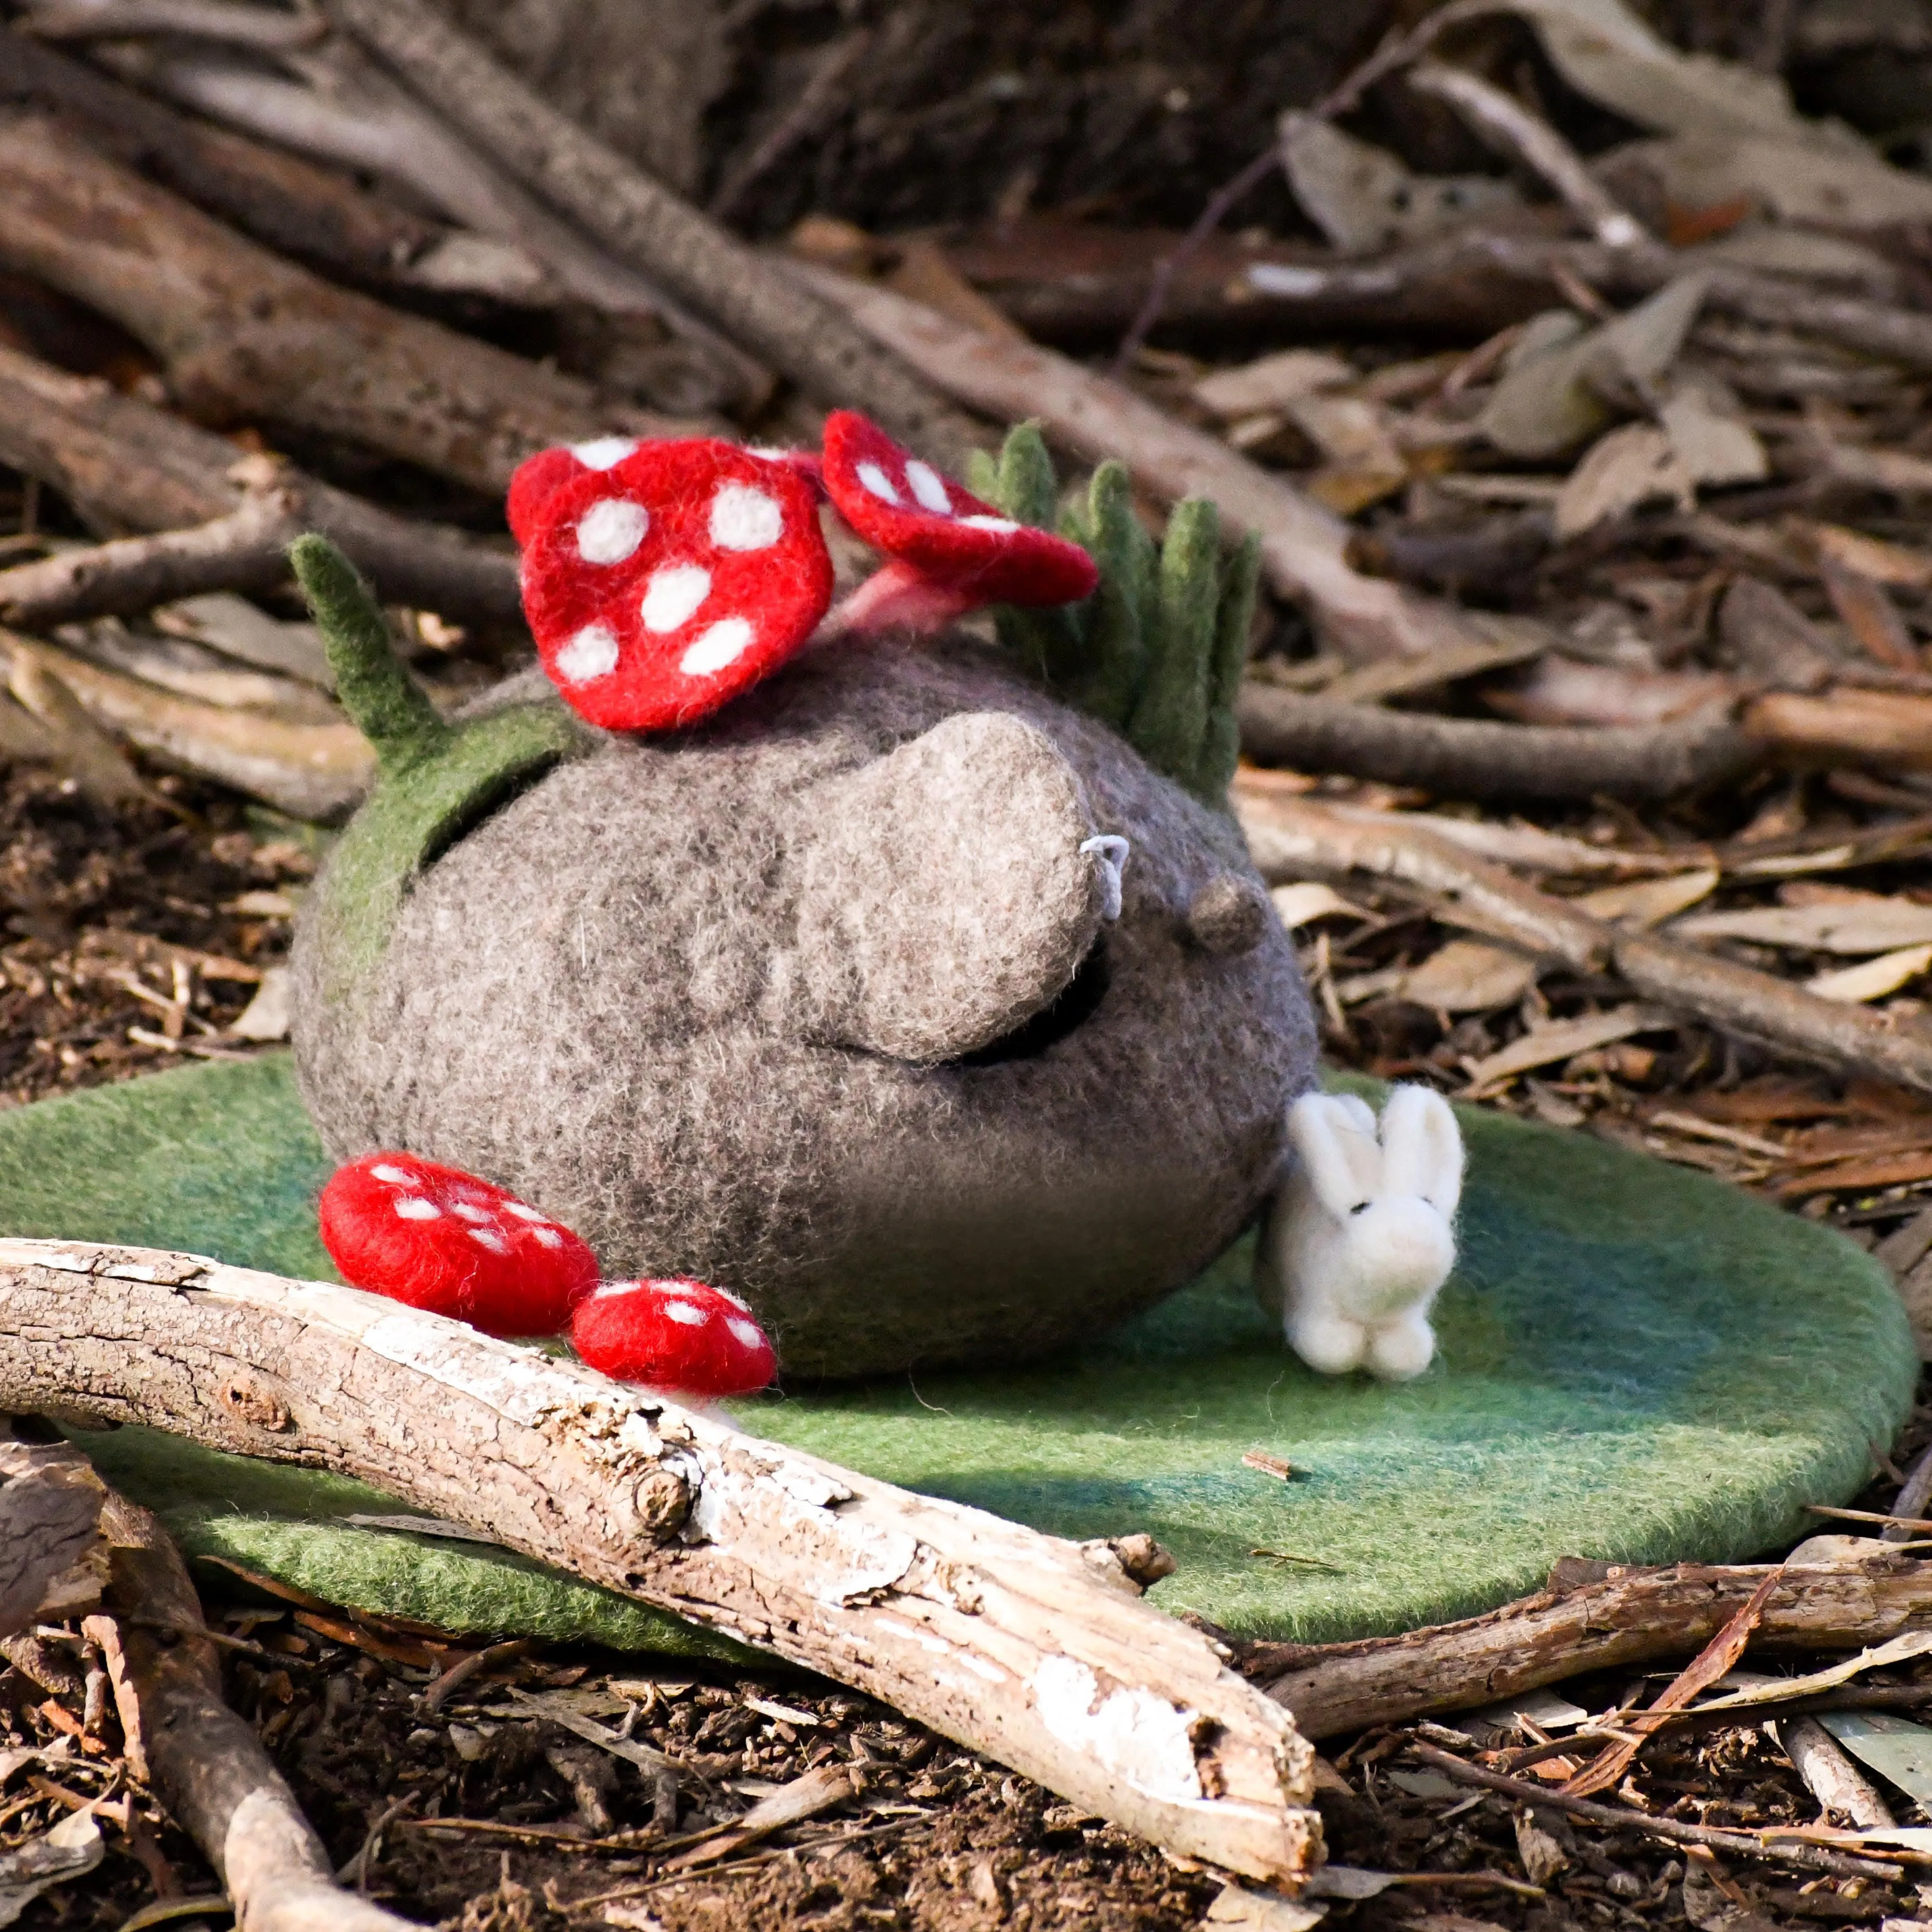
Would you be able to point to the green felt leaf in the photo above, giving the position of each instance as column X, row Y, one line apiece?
column 1638, row 1364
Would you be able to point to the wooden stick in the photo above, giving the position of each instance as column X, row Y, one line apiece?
column 205, row 1759
column 1675, row 1831
column 1476, row 758
column 1037, row 1650
column 644, row 224
column 1304, row 548
column 1503, row 121
column 1292, row 839
column 124, row 465
column 1831, row 1777
column 246, row 334
column 1632, row 1616
column 50, row 1503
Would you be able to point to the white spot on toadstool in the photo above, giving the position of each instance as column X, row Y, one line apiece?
column 742, row 518
column 488, row 1237
column 604, row 1289
column 747, row 1332
column 396, row 1177
column 717, row 648
column 929, row 487
column 876, row 480
column 603, row 452
column 547, row 1237
column 611, row 530
column 674, row 595
column 592, row 653
column 735, row 1300
column 686, row 1314
column 1000, row 524
column 414, row 1208
column 470, row 1211
column 523, row 1213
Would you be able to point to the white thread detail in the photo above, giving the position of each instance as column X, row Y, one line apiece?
column 929, row 487
column 719, row 647
column 414, row 1208
column 876, row 480
column 488, row 1237
column 1001, row 525
column 1109, row 851
column 686, row 1314
column 611, row 530
column 592, row 653
column 674, row 596
column 742, row 518
column 603, row 452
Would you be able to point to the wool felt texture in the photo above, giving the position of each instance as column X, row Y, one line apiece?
column 439, row 1239
column 661, row 587
column 1637, row 1364
column 1159, row 650
column 816, row 1001
column 682, row 1337
column 902, row 506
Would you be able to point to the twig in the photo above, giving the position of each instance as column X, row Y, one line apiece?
column 1293, row 839
column 243, row 550
column 235, row 26
column 1304, row 547
column 1475, row 758
column 1000, row 1638
column 817, row 102
column 646, row 225
column 244, row 333
column 1741, row 1844
column 1831, row 1777
column 1504, row 121
column 206, row 1761
column 125, row 465
column 1913, row 1496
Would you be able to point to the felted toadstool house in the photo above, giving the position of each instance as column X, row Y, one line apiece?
column 712, row 997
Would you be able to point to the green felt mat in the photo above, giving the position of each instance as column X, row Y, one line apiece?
column 1637, row 1363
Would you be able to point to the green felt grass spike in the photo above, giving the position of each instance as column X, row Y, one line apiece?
column 384, row 703
column 1156, row 651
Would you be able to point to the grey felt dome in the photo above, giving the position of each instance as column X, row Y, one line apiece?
column 818, row 1002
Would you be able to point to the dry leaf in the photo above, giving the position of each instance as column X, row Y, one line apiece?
column 1632, row 465
column 1713, row 444
column 267, row 1015
column 1364, row 199
column 1873, row 979
column 1868, row 925
column 1238, row 1909
column 1561, row 1039
column 1301, row 905
column 70, row 1850
column 1870, row 557
column 1468, row 977
column 1363, row 464
column 1271, row 383
column 1544, row 1859
column 1643, row 903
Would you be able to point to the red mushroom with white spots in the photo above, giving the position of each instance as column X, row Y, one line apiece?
column 444, row 1241
column 949, row 553
column 538, row 477
column 663, row 585
column 682, row 1337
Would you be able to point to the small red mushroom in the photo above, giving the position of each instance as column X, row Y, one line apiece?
column 950, row 552
column 663, row 585
column 682, row 1336
column 442, row 1241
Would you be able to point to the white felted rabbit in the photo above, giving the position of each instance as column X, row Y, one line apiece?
column 1362, row 1234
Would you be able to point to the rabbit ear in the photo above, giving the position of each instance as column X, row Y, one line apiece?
column 1341, row 1160
column 1422, row 1148
column 1358, row 1110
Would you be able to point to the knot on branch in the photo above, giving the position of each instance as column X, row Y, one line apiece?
column 246, row 1401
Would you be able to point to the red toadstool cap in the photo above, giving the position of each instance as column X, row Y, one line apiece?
column 679, row 1335
column 662, row 585
column 444, row 1241
column 903, row 506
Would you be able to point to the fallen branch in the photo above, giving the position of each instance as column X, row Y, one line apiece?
column 204, row 1759
column 244, row 550
column 50, row 1506
column 245, row 335
column 1673, row 1831
column 1472, row 758
column 1037, row 1650
column 1631, row 1616
column 124, row 465
column 1292, row 839
column 646, row 225
column 1304, row 547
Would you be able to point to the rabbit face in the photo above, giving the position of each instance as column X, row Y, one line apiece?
column 822, row 1001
